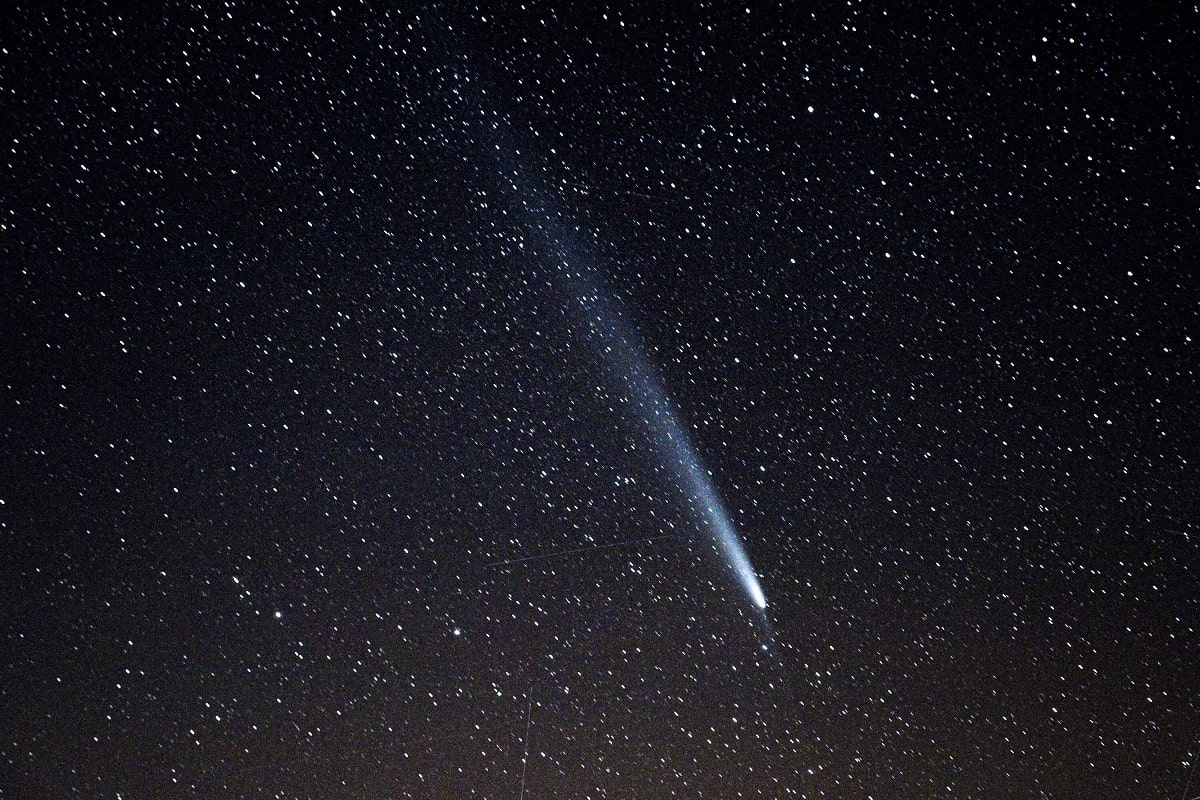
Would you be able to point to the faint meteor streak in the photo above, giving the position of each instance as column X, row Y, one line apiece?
column 577, row 550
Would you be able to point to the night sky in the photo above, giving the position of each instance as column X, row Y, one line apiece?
column 408, row 404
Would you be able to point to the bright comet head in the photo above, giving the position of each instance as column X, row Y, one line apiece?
column 730, row 547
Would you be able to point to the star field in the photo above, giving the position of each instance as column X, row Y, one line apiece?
column 379, row 385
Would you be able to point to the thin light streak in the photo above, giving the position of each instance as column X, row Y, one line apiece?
column 577, row 550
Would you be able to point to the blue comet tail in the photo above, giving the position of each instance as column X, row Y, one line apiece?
column 618, row 344
column 704, row 498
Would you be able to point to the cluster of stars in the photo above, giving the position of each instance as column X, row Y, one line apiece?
column 334, row 466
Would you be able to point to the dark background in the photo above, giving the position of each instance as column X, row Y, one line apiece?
column 286, row 374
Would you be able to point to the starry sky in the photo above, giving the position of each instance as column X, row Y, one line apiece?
column 389, row 396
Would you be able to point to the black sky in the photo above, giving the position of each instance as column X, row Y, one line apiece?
column 314, row 484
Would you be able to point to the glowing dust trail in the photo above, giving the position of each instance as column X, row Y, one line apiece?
column 618, row 345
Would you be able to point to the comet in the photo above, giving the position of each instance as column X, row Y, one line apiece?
column 617, row 342
column 600, row 321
